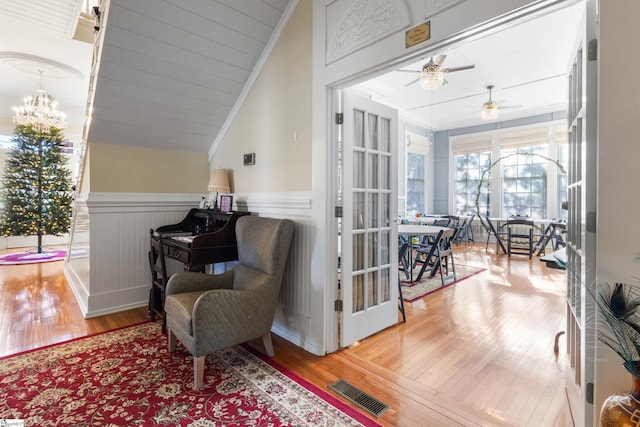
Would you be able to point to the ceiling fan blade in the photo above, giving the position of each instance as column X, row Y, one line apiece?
column 409, row 71
column 439, row 60
column 452, row 69
column 412, row 82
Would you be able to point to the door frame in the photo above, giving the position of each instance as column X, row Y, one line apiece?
column 333, row 100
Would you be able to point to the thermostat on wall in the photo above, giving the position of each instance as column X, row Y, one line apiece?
column 250, row 159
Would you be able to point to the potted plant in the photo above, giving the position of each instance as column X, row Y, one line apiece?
column 619, row 329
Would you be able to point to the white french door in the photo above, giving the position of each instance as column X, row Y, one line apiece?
column 581, row 194
column 369, row 233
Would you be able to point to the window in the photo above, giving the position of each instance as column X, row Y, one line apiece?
column 469, row 169
column 524, row 181
column 415, row 182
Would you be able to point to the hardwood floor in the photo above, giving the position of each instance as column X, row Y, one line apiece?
column 479, row 353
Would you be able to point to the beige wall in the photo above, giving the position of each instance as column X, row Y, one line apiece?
column 120, row 168
column 275, row 120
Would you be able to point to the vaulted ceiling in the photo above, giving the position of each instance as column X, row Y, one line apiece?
column 170, row 71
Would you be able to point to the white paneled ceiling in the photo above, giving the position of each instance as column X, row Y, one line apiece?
column 526, row 64
column 170, row 71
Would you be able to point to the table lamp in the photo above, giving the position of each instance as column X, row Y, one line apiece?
column 219, row 182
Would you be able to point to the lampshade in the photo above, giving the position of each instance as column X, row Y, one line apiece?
column 431, row 79
column 490, row 111
column 219, row 181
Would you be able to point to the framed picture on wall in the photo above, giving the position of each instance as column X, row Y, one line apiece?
column 225, row 203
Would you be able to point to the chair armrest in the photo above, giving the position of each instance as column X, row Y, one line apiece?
column 189, row 281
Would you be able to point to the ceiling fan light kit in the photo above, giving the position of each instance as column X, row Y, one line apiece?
column 431, row 79
column 489, row 111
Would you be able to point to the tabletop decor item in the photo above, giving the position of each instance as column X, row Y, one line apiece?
column 619, row 329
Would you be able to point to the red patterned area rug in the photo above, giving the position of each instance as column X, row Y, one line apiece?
column 413, row 291
column 33, row 256
column 128, row 378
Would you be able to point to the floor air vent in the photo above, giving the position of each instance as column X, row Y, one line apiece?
column 359, row 397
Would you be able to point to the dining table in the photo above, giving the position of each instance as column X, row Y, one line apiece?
column 416, row 230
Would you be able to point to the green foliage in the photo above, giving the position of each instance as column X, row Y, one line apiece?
column 619, row 328
column 37, row 194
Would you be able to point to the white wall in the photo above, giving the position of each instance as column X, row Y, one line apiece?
column 618, row 237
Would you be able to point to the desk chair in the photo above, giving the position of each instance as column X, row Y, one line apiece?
column 159, row 278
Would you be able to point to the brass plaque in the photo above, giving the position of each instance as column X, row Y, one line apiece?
column 418, row 34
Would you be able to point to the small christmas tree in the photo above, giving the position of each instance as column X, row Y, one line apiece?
column 37, row 186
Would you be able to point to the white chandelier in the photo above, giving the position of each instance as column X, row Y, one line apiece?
column 40, row 111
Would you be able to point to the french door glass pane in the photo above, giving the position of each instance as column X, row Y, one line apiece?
column 358, row 293
column 385, row 175
column 385, row 283
column 385, row 255
column 358, row 169
column 373, row 210
column 385, row 209
column 373, row 131
column 373, row 171
column 385, row 136
column 372, row 289
column 358, row 210
column 358, row 125
column 372, row 249
column 358, row 252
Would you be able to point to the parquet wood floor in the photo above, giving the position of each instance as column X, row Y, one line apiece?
column 479, row 353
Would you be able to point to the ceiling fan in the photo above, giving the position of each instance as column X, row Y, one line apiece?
column 433, row 74
column 490, row 109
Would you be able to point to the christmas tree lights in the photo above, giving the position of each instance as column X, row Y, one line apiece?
column 37, row 193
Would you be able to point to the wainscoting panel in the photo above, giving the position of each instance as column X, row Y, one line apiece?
column 117, row 247
column 117, row 276
column 293, row 317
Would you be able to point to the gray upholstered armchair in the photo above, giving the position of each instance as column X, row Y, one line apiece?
column 208, row 312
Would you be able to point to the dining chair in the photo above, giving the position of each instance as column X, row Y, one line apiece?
column 520, row 236
column 447, row 266
column 402, row 255
column 494, row 232
column 469, row 229
column 464, row 228
column 429, row 259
